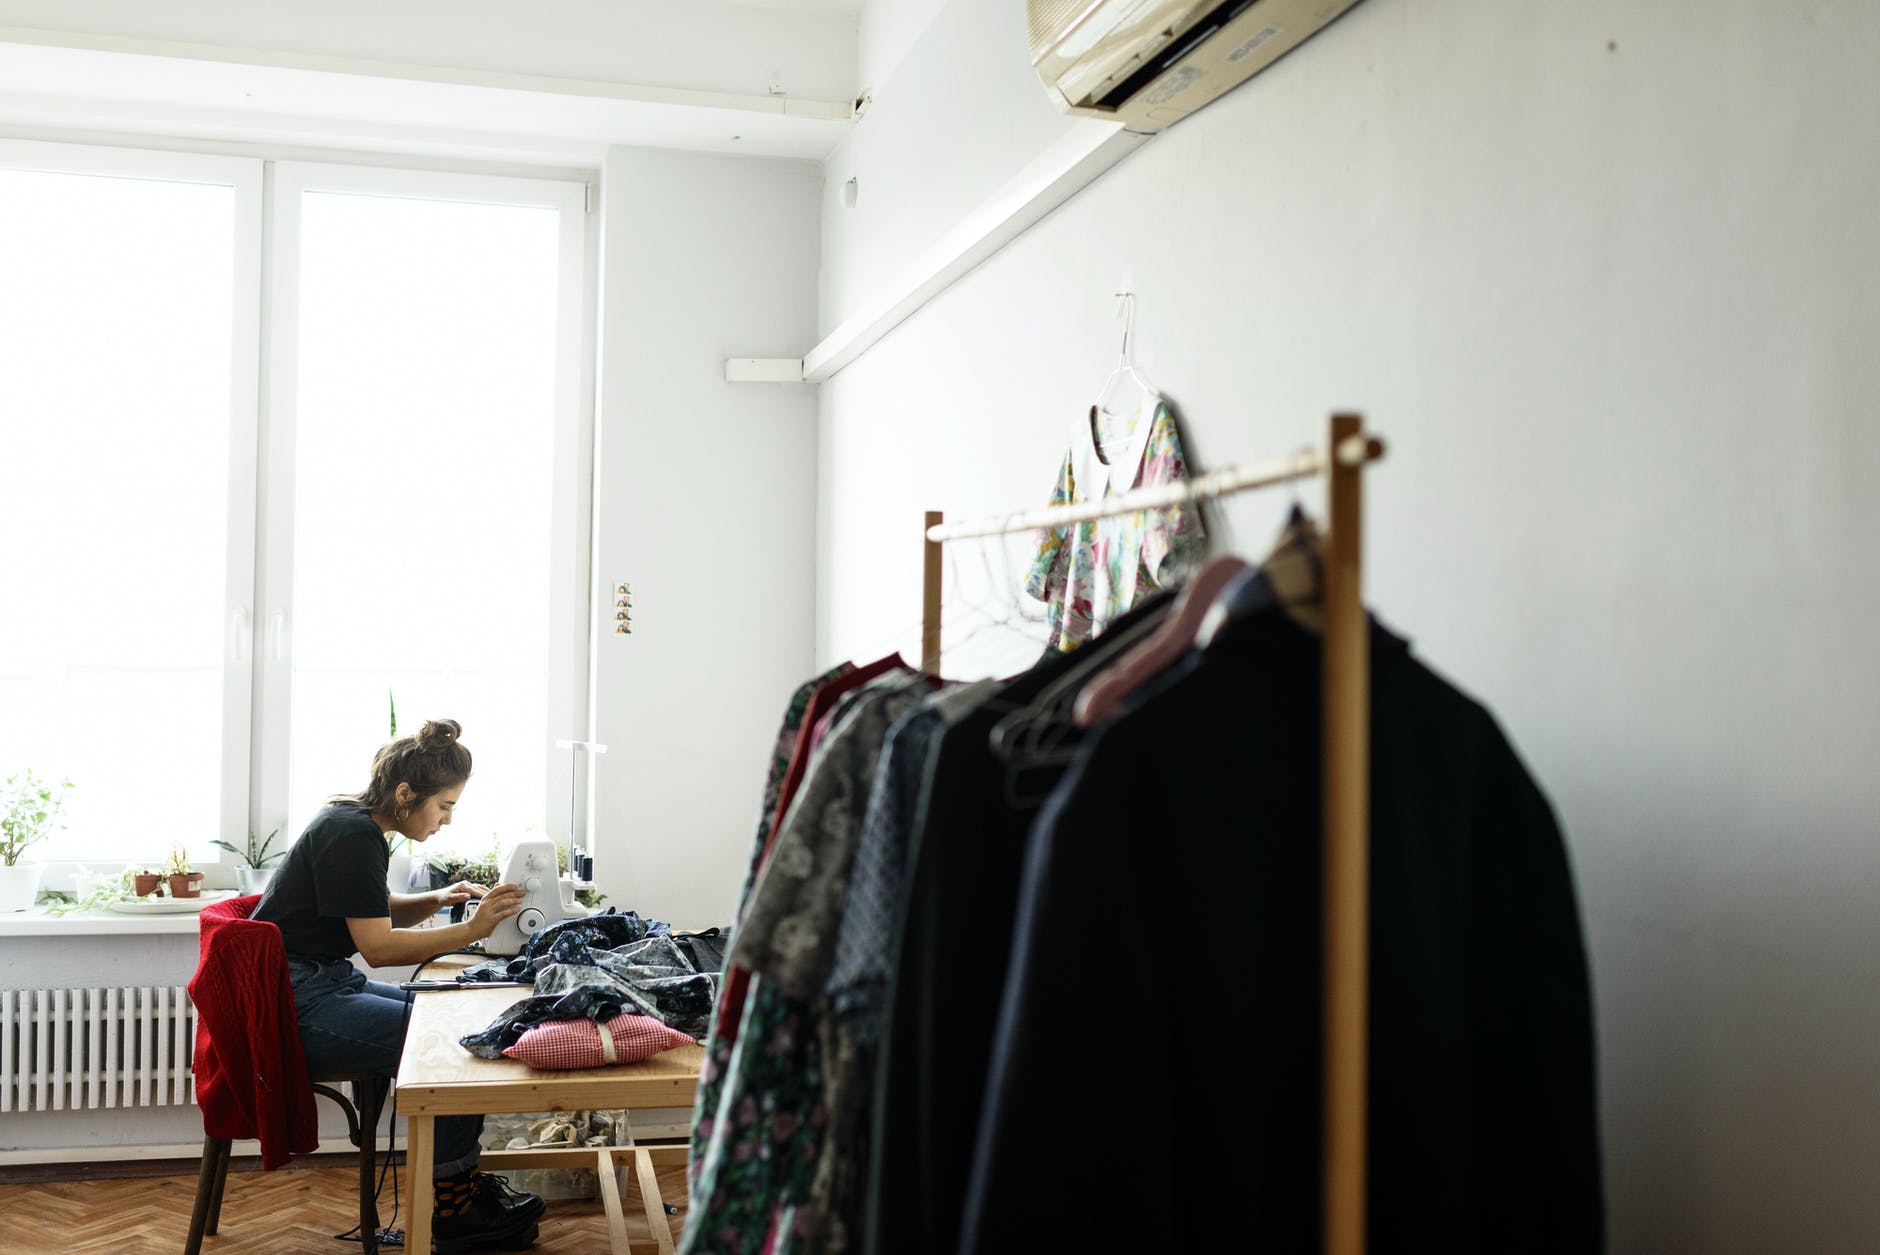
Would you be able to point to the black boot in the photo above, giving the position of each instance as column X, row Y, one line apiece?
column 495, row 1189
column 474, row 1211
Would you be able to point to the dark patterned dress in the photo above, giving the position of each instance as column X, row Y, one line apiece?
column 757, row 1187
column 719, row 1037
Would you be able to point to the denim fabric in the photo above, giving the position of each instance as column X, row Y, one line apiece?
column 351, row 1024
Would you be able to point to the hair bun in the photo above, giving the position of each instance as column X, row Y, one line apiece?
column 437, row 734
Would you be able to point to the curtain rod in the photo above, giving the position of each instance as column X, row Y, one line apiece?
column 1352, row 451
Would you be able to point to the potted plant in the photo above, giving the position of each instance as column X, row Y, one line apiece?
column 257, row 864
column 448, row 866
column 185, row 882
column 29, row 808
column 145, row 882
column 95, row 892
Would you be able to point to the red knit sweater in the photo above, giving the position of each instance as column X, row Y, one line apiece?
column 251, row 1076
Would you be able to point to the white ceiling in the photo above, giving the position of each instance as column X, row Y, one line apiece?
column 701, row 76
column 845, row 8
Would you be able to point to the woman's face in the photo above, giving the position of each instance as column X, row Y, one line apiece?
column 431, row 814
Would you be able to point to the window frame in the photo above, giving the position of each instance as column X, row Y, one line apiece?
column 245, row 175
column 257, row 653
column 571, row 458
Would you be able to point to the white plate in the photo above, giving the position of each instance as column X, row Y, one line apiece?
column 170, row 906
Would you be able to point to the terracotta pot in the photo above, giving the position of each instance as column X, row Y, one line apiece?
column 145, row 883
column 189, row 886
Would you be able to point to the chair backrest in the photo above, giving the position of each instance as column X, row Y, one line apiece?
column 237, row 955
column 231, row 908
column 251, row 1074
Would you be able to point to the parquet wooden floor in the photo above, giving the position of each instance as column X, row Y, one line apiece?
column 297, row 1210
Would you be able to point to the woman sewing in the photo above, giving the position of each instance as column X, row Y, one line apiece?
column 330, row 901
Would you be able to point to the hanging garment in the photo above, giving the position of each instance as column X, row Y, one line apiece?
column 1091, row 572
column 782, row 752
column 810, row 725
column 949, row 963
column 1199, row 809
column 756, row 1183
column 722, row 1031
column 855, row 993
column 789, row 929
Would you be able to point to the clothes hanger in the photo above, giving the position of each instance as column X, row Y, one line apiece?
column 1104, row 694
column 1040, row 732
column 1293, row 571
column 983, row 609
column 1125, row 372
column 1001, row 615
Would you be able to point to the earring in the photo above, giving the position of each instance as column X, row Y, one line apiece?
column 404, row 812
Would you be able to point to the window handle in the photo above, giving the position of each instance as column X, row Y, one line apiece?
column 242, row 632
column 277, row 629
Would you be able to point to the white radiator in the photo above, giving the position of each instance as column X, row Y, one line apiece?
column 74, row 1049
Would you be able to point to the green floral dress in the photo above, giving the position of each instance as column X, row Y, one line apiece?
column 1091, row 572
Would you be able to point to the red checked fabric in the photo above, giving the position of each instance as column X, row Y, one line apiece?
column 593, row 1043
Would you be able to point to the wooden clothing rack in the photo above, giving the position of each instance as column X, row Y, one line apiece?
column 1345, row 761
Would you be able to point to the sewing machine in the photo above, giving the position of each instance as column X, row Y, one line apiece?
column 548, row 898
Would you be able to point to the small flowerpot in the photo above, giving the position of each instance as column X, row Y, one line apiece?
column 19, row 886
column 189, row 886
column 253, row 879
column 398, row 873
column 146, row 883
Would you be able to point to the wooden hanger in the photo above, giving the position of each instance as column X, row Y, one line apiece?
column 1103, row 696
column 1292, row 570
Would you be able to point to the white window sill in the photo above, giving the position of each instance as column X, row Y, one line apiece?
column 36, row 923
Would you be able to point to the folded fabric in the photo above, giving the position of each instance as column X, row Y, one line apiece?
column 574, row 980
column 594, row 1043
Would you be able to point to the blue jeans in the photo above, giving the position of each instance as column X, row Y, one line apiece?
column 351, row 1024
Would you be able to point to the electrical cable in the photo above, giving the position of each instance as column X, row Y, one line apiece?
column 388, row 1236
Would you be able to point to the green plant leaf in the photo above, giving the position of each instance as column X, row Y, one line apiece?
column 28, row 810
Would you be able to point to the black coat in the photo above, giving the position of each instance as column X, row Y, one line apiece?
column 1160, row 1030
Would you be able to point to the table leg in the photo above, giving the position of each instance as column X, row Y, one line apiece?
column 617, row 1243
column 420, row 1149
column 650, row 1199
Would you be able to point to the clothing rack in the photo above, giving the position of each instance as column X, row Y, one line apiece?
column 1346, row 759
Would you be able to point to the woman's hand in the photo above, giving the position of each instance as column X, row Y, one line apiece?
column 462, row 891
column 497, row 905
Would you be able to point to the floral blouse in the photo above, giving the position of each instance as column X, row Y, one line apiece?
column 1091, row 572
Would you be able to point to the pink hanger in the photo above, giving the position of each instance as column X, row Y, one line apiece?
column 1103, row 696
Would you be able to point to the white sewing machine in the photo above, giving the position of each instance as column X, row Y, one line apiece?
column 547, row 898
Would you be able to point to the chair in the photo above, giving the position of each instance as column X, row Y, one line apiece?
column 251, row 1074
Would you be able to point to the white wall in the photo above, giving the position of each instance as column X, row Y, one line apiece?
column 705, row 506
column 1603, row 274
column 958, row 118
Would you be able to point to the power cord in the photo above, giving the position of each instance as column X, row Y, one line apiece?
column 389, row 1236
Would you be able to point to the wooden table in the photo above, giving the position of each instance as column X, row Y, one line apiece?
column 438, row 1077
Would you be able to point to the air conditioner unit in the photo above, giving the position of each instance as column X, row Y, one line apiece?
column 1147, row 63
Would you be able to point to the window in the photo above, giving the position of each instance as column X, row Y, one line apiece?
column 212, row 597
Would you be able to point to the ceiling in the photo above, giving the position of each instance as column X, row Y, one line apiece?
column 705, row 77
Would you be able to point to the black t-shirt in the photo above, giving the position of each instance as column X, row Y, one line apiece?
column 335, row 872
